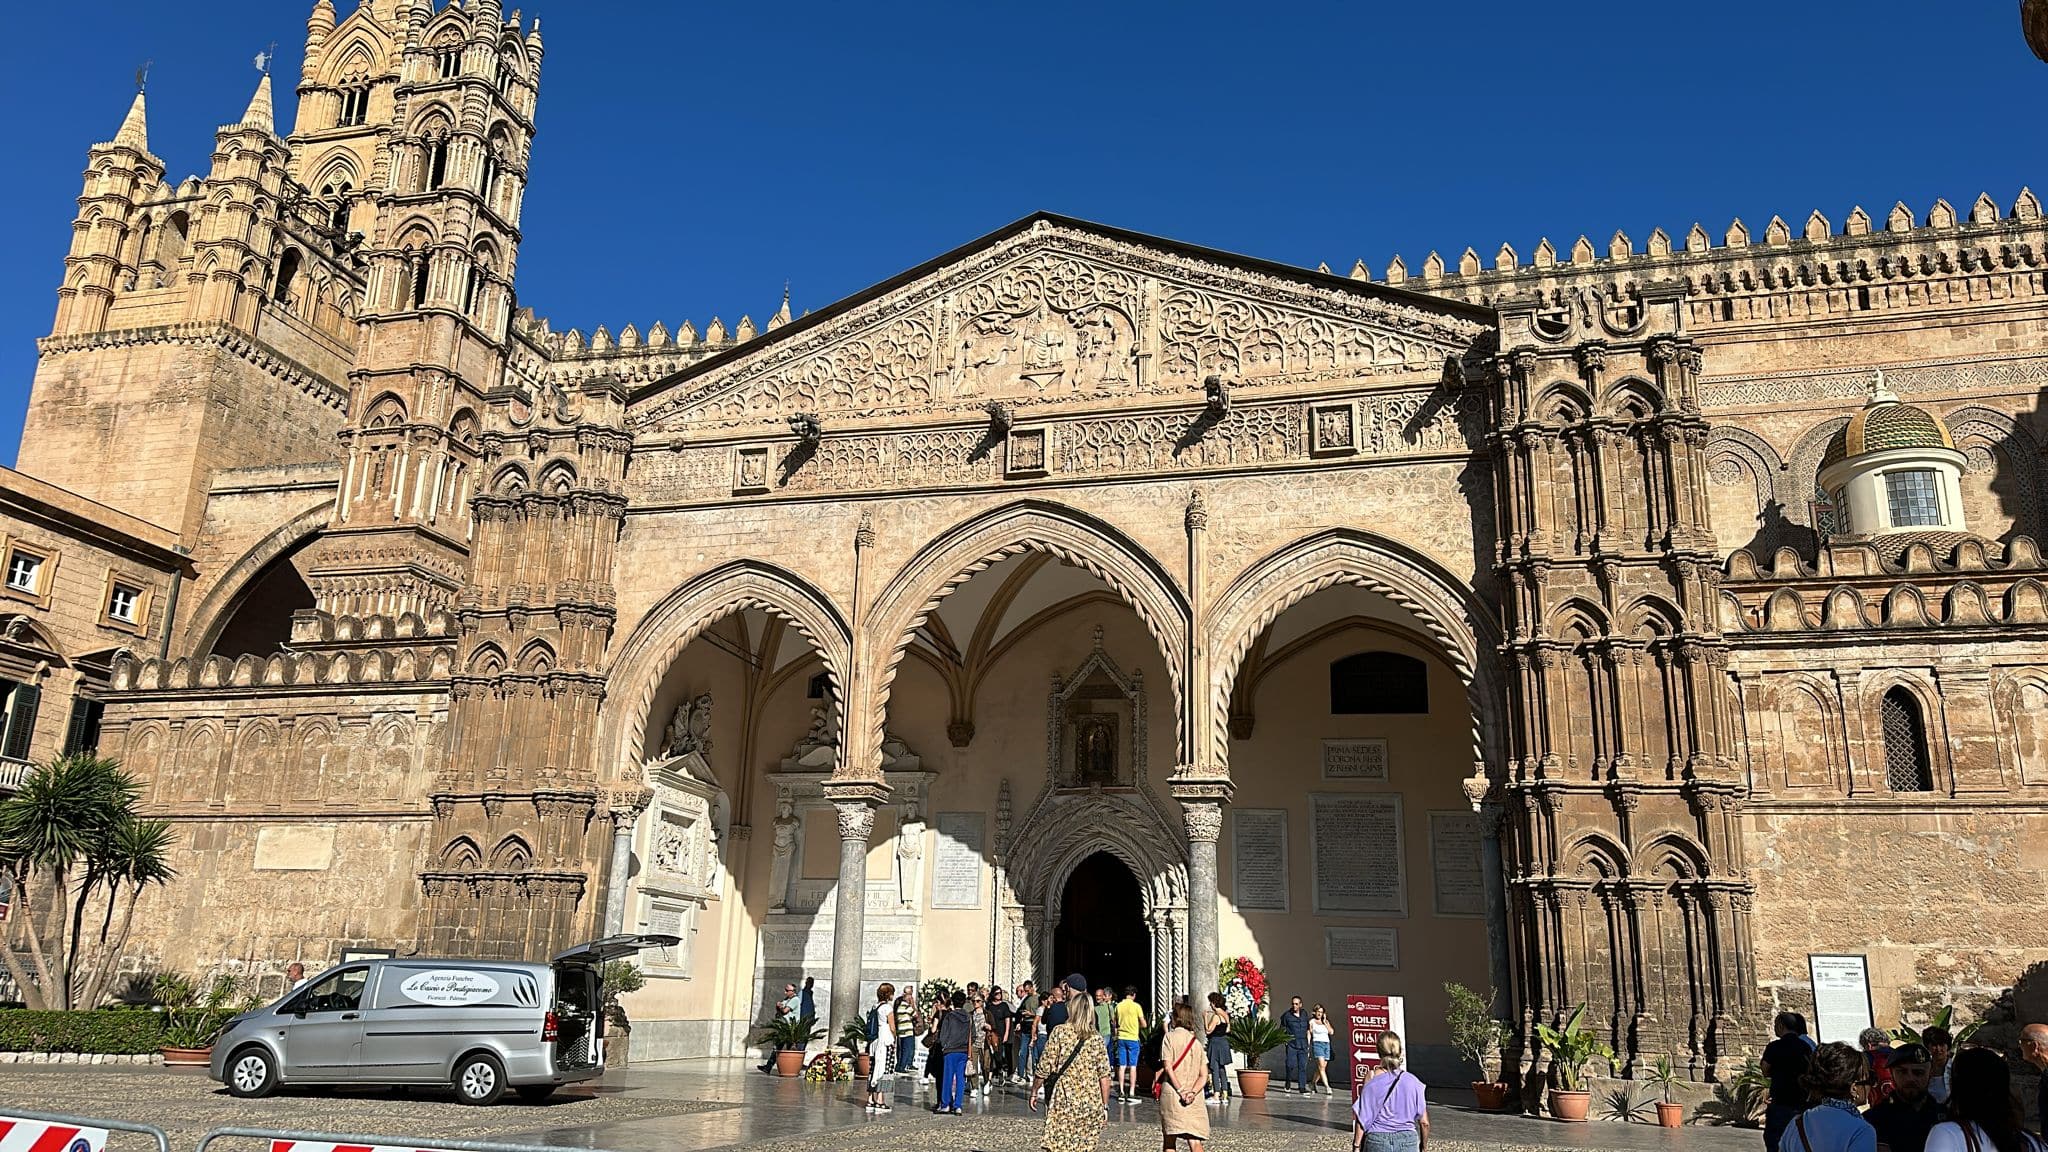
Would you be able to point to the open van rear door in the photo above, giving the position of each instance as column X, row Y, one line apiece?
column 596, row 952
column 575, row 1020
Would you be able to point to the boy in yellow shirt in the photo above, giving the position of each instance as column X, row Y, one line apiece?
column 1130, row 1025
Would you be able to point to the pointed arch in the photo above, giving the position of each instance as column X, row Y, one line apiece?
column 1068, row 534
column 1445, row 607
column 657, row 641
column 461, row 855
column 234, row 585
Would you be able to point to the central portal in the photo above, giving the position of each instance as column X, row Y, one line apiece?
column 1102, row 932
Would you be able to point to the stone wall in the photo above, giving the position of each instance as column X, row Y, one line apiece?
column 300, row 802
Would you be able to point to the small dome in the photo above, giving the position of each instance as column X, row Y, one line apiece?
column 1886, row 423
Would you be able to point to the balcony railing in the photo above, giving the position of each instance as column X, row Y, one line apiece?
column 13, row 772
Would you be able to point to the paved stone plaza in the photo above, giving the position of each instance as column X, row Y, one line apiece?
column 689, row 1105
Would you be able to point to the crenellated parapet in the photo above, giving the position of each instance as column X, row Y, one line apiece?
column 634, row 355
column 1817, row 270
column 404, row 664
column 1918, row 581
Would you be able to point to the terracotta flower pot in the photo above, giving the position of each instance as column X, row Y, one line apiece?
column 789, row 1061
column 1251, row 1083
column 863, row 1064
column 1670, row 1115
column 1570, row 1106
column 187, row 1057
column 1491, row 1096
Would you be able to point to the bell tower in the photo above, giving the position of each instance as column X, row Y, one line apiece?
column 433, row 112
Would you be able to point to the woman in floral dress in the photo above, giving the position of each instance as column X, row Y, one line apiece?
column 1080, row 1095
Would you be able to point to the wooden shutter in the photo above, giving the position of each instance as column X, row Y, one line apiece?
column 83, row 733
column 21, row 721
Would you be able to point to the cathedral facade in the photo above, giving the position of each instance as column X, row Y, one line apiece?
column 1610, row 626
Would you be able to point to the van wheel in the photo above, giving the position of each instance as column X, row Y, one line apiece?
column 479, row 1079
column 251, row 1073
column 535, row 1093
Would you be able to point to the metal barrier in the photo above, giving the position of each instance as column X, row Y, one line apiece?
column 359, row 1143
column 163, row 1142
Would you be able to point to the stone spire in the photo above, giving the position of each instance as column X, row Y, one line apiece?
column 259, row 114
column 134, row 131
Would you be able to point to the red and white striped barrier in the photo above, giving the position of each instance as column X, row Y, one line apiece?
column 320, row 1146
column 18, row 1134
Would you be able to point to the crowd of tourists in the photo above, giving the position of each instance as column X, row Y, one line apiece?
column 1923, row 1095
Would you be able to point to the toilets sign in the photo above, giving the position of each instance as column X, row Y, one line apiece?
column 1367, row 1017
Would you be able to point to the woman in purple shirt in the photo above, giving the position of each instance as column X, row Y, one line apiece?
column 1391, row 1114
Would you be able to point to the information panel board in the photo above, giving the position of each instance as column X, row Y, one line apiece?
column 1841, row 997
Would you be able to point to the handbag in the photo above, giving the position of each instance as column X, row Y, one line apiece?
column 1159, row 1081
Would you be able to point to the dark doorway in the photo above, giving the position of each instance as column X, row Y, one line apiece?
column 1102, row 933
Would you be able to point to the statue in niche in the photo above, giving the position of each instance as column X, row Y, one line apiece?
column 1095, row 749
column 689, row 729
column 909, row 854
column 786, row 825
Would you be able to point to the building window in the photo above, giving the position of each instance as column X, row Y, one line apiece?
column 83, row 733
column 450, row 60
column 21, row 702
column 1906, row 766
column 25, row 572
column 355, row 106
column 1378, row 684
column 1914, row 498
column 122, row 602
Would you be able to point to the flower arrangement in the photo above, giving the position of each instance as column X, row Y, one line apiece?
column 936, row 993
column 826, row 1067
column 1244, row 986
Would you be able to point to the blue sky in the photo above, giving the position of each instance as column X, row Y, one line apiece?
column 692, row 157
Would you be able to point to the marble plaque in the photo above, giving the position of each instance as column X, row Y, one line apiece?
column 1455, row 864
column 1355, row 759
column 1356, row 853
column 1362, row 947
column 1258, row 859
column 956, row 860
column 294, row 848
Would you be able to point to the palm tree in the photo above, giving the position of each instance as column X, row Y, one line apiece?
column 64, row 815
column 136, row 855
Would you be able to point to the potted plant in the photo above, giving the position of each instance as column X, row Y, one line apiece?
column 1670, row 1113
column 790, row 1037
column 854, row 1038
column 1477, row 1036
column 192, row 1021
column 1253, row 1036
column 615, row 979
column 1572, row 1048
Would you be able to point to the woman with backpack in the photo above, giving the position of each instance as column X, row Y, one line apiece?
column 881, row 1032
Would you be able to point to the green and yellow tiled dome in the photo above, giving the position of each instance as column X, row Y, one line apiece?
column 1886, row 423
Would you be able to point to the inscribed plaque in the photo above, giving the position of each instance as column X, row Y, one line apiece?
column 1454, row 863
column 1362, row 947
column 956, row 861
column 1355, row 852
column 1354, row 759
column 1841, row 996
column 1258, row 859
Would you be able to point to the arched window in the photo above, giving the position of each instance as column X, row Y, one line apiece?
column 437, row 161
column 1378, row 684
column 418, row 276
column 448, row 58
column 287, row 271
column 1906, row 766
column 355, row 105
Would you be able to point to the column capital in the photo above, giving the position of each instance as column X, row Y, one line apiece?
column 624, row 805
column 1204, row 819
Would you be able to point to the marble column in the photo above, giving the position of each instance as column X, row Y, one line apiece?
column 1204, row 817
column 623, row 810
column 856, row 827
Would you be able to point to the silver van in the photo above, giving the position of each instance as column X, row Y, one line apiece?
column 478, row 1026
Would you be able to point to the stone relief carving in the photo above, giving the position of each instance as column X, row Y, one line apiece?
column 1054, row 313
column 689, row 728
column 910, row 854
column 1389, row 424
